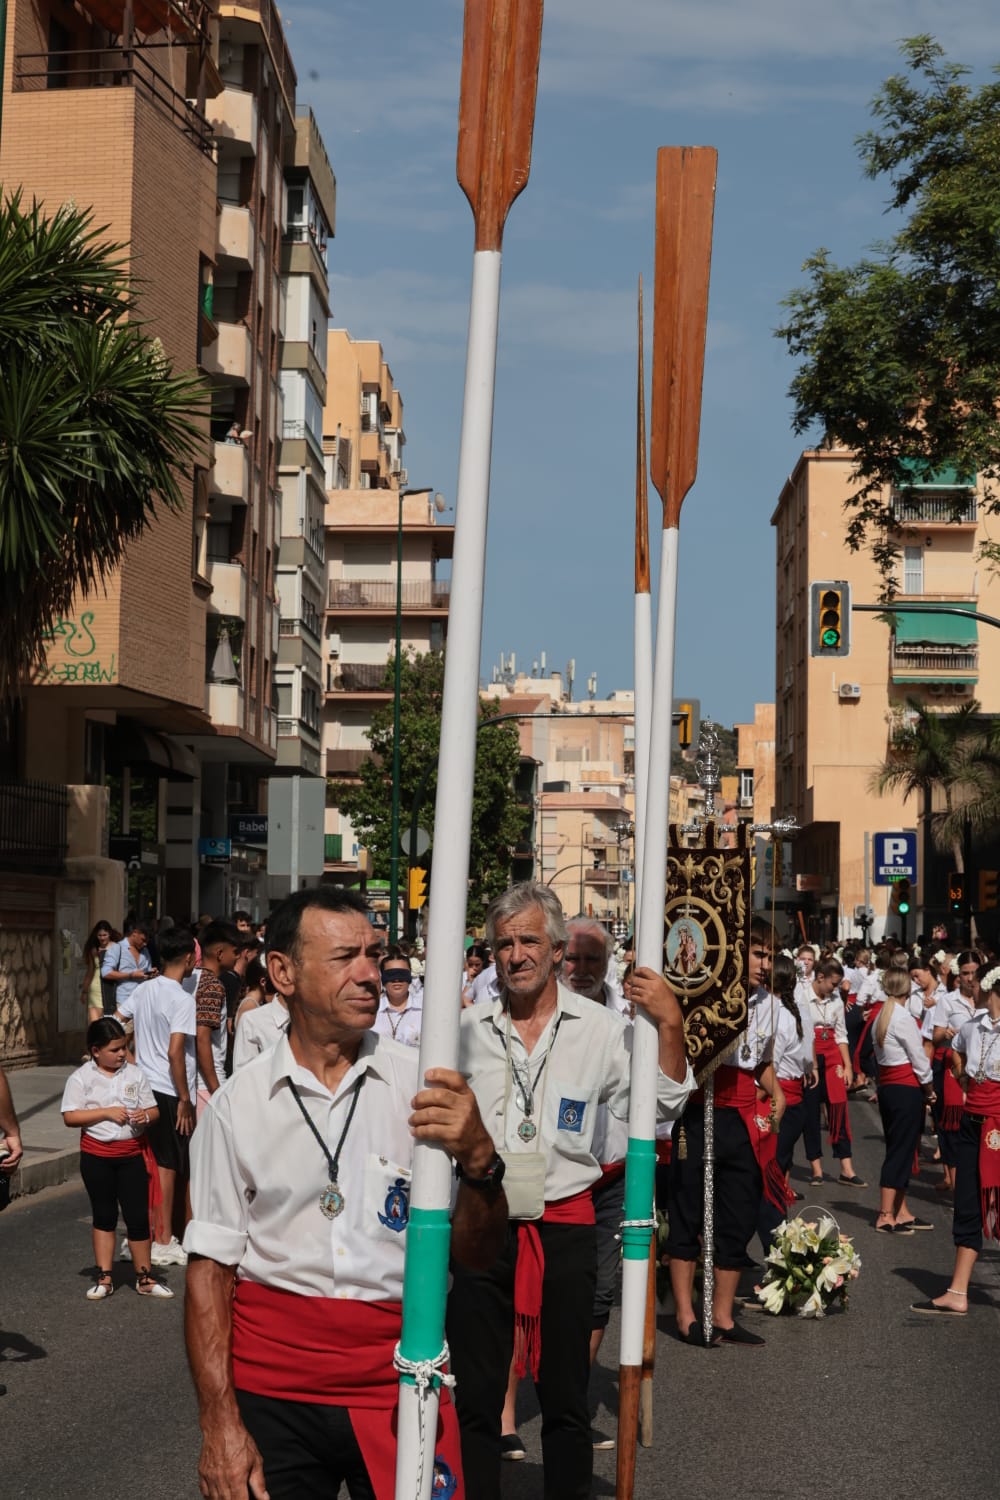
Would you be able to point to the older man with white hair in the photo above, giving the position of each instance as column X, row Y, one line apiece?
column 587, row 964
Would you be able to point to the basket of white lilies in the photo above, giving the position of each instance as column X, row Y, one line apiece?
column 810, row 1266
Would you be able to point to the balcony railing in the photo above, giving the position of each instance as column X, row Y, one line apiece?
column 33, row 827
column 346, row 762
column 361, row 677
column 288, row 625
column 931, row 659
column 294, row 728
column 957, row 509
column 376, row 593
column 110, row 67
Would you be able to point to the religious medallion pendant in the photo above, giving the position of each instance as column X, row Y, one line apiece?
column 527, row 1130
column 745, row 1053
column 331, row 1201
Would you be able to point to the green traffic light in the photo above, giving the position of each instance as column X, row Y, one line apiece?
column 831, row 638
column 903, row 908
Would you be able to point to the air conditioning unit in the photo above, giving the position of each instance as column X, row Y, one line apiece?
column 849, row 692
column 334, row 646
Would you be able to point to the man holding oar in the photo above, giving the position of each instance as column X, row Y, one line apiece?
column 300, row 1193
column 540, row 1060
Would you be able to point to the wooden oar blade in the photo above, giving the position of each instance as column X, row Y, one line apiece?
column 496, row 116
column 685, row 202
column 642, row 584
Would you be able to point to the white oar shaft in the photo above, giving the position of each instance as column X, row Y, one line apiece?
column 643, row 651
column 645, row 1045
column 449, row 886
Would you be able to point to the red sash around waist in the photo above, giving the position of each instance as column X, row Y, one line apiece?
column 838, row 1124
column 984, row 1099
column 793, row 1089
column 137, row 1146
column 953, row 1100
column 737, row 1089
column 610, row 1173
column 529, row 1275
column 333, row 1351
column 898, row 1073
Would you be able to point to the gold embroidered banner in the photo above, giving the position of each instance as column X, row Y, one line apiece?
column 707, row 916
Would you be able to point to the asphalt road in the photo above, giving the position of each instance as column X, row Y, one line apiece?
column 875, row 1401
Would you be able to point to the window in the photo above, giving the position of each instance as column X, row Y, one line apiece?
column 913, row 570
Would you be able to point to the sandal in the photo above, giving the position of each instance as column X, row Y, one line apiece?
column 103, row 1287
column 147, row 1285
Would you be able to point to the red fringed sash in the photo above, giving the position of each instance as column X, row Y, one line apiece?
column 954, row 1099
column 984, row 1099
column 529, row 1275
column 838, row 1124
column 737, row 1089
column 138, row 1146
column 899, row 1073
column 334, row 1351
column 793, row 1089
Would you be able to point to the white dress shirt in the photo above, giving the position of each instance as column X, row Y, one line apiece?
column 257, row 1174
column 828, row 1015
column 902, row 1044
column 403, row 1025
column 258, row 1031
column 486, row 985
column 793, row 1054
column 89, row 1088
column 587, row 1064
column 159, row 1009
column 977, row 1039
column 871, row 990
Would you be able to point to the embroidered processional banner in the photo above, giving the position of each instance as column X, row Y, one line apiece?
column 708, row 912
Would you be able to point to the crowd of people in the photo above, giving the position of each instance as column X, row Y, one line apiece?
column 285, row 1190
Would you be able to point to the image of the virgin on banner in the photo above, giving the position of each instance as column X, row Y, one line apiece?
column 707, row 916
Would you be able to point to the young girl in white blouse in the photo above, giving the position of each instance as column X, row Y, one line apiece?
column 904, row 1091
column 110, row 1101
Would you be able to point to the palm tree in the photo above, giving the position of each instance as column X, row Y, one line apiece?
column 95, row 428
column 955, row 754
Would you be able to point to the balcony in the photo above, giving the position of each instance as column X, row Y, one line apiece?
column 951, row 509
column 235, row 235
column 378, row 596
column 358, row 678
column 230, row 359
column 229, row 588
column 932, row 646
column 933, row 663
column 346, row 762
column 232, row 117
column 225, row 704
column 230, row 474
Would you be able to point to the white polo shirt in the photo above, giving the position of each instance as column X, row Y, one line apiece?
column 586, row 1053
column 257, row 1174
column 159, row 1009
column 89, row 1088
column 258, row 1031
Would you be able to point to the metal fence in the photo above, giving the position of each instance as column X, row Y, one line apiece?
column 33, row 827
column 377, row 593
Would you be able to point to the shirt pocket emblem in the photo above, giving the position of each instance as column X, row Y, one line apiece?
column 397, row 1206
column 571, row 1112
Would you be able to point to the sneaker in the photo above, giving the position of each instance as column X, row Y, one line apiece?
column 147, row 1286
column 173, row 1254
column 600, row 1440
column 124, row 1253
column 511, row 1447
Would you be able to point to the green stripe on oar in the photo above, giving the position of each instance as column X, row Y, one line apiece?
column 640, row 1186
column 425, row 1284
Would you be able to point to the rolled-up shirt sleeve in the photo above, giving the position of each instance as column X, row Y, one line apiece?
column 218, row 1226
column 671, row 1095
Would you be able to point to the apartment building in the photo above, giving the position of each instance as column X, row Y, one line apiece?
column 835, row 716
column 175, row 122
column 380, row 531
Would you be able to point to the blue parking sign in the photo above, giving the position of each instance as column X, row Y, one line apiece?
column 895, row 857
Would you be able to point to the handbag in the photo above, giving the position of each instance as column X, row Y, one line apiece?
column 524, row 1183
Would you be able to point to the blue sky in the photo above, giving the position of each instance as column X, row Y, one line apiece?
column 781, row 88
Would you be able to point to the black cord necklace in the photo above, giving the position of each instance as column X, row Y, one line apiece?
column 331, row 1202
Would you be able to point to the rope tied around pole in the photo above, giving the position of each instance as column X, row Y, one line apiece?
column 637, row 1224
column 426, row 1374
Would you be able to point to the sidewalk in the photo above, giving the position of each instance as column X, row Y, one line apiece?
column 51, row 1152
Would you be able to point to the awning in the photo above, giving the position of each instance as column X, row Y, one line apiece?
column 929, row 627
column 916, row 475
column 143, row 750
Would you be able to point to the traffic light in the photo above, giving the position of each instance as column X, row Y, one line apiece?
column 987, row 890
column 684, row 727
column 956, row 891
column 417, row 893
column 830, row 615
column 899, row 901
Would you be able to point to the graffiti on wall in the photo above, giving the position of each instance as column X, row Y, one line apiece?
column 71, row 652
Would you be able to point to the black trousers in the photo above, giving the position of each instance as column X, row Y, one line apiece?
column 902, row 1110
column 111, row 1180
column 481, row 1339
column 812, row 1099
column 309, row 1450
column 967, row 1215
column 738, row 1188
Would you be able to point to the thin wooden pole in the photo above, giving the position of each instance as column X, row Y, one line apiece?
column 648, row 1354
column 496, row 118
column 685, row 193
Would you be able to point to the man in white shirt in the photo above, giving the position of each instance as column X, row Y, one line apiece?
column 300, row 1205
column 259, row 1030
column 541, row 1059
column 163, row 1017
column 587, row 963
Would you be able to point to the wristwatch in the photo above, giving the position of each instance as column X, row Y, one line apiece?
column 492, row 1178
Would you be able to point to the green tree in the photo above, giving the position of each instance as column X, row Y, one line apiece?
column 93, row 423
column 497, row 821
column 954, row 756
column 900, row 353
